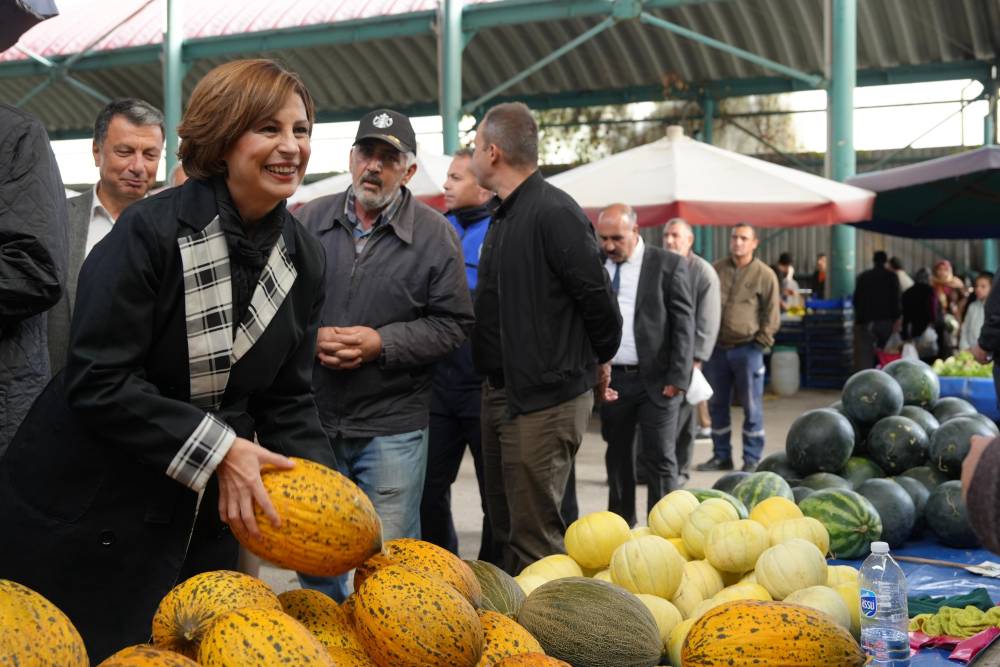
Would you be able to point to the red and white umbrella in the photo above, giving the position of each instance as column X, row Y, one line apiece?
column 679, row 177
column 427, row 184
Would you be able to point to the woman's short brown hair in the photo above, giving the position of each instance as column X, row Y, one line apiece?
column 226, row 103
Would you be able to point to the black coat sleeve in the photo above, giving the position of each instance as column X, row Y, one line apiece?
column 572, row 252
column 33, row 236
column 679, row 302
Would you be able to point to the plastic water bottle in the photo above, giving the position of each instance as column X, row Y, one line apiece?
column 884, row 619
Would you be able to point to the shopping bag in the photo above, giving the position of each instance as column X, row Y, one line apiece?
column 910, row 352
column 699, row 390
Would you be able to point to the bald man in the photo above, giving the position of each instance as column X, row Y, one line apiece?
column 652, row 367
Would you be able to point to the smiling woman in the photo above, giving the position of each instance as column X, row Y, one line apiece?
column 194, row 330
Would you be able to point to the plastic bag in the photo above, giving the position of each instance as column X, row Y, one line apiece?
column 910, row 352
column 927, row 342
column 699, row 390
column 894, row 342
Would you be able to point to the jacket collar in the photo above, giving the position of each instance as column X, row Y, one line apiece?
column 529, row 184
column 197, row 209
column 401, row 223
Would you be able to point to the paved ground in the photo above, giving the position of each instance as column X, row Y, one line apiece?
column 592, row 490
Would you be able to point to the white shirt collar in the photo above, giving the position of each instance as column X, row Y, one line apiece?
column 636, row 258
column 97, row 208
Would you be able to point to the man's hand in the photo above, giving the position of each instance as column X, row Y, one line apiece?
column 346, row 348
column 696, row 364
column 981, row 355
column 978, row 444
column 603, row 391
column 240, row 485
column 670, row 391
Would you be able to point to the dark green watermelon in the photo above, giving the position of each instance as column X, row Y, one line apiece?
column 895, row 508
column 858, row 469
column 801, row 492
column 947, row 517
column 919, row 382
column 919, row 495
column 870, row 395
column 927, row 475
column 860, row 432
column 897, row 443
column 950, row 444
column 924, row 418
column 819, row 441
column 825, row 480
column 850, row 518
column 986, row 421
column 704, row 494
column 950, row 407
column 779, row 465
column 760, row 486
column 729, row 481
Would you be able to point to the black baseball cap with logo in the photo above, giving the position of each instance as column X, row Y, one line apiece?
column 391, row 127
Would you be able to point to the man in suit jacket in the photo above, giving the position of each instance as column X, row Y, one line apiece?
column 128, row 143
column 652, row 367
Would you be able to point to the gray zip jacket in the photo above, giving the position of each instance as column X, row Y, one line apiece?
column 409, row 285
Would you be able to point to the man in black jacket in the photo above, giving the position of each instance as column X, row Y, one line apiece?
column 546, row 318
column 876, row 310
column 397, row 301
column 652, row 367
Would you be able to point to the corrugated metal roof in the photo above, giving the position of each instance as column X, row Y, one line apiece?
column 402, row 71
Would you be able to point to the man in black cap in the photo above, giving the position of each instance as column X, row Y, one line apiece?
column 396, row 302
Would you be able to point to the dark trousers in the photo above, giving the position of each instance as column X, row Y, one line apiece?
column 867, row 337
column 687, row 431
column 739, row 372
column 657, row 425
column 528, row 460
column 450, row 434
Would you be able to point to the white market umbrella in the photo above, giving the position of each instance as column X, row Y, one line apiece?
column 679, row 177
column 427, row 184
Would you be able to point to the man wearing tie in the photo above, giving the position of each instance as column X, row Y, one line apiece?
column 652, row 367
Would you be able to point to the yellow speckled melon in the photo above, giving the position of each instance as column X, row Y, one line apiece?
column 504, row 637
column 33, row 631
column 144, row 655
column 255, row 636
column 424, row 558
column 321, row 616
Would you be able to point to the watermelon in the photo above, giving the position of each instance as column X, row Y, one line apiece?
column 801, row 492
column 950, row 407
column 986, row 421
column 947, row 517
column 852, row 521
column 858, row 469
column 860, row 432
column 779, row 465
column 895, row 508
column 761, row 485
column 825, row 480
column 819, row 441
column 924, row 419
column 950, row 444
column 897, row 444
column 704, row 494
column 729, row 481
column 929, row 476
column 870, row 395
column 919, row 382
column 919, row 495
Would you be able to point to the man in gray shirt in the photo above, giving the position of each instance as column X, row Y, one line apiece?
column 679, row 237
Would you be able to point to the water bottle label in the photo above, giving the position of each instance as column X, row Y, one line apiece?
column 869, row 602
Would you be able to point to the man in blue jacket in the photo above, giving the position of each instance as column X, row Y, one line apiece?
column 456, row 391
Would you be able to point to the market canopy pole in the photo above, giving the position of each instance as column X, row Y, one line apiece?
column 450, row 42
column 707, row 233
column 991, row 254
column 842, row 55
column 173, row 79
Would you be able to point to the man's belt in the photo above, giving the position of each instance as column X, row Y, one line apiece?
column 625, row 368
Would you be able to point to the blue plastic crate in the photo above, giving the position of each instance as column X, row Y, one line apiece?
column 981, row 392
column 830, row 304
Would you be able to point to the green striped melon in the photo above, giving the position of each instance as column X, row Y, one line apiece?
column 500, row 592
column 704, row 494
column 852, row 521
column 760, row 486
column 859, row 469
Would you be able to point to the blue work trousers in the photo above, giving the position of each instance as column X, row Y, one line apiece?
column 737, row 372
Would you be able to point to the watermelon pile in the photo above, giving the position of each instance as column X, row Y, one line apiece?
column 881, row 463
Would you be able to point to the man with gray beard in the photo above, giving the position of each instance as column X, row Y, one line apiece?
column 679, row 237
column 397, row 301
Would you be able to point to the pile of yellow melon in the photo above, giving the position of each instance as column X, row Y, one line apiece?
column 697, row 555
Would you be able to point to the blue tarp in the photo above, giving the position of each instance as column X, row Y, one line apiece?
column 946, row 581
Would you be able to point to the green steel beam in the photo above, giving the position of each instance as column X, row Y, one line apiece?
column 991, row 253
column 173, row 78
column 514, row 12
column 767, row 63
column 450, row 71
column 707, row 231
column 843, row 69
column 554, row 55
